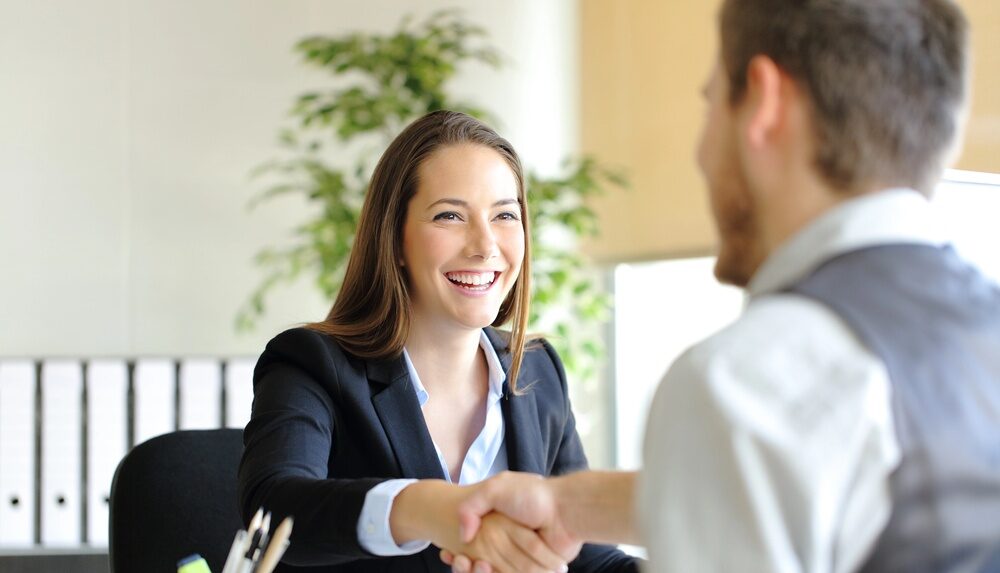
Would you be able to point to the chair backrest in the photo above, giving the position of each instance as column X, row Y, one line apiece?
column 175, row 495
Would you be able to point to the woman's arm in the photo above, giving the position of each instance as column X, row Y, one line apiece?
column 285, row 466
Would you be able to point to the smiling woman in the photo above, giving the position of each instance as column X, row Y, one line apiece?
column 371, row 426
column 372, row 316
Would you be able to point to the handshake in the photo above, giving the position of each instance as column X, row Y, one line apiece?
column 517, row 522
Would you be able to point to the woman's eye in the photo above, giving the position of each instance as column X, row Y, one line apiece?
column 508, row 216
column 447, row 216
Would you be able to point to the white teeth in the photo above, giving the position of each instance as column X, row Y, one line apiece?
column 472, row 279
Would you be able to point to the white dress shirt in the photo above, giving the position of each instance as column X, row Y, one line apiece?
column 486, row 457
column 770, row 445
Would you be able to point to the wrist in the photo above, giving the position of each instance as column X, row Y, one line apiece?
column 597, row 506
column 420, row 511
column 561, row 491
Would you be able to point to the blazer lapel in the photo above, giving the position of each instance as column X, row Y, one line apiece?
column 525, row 451
column 402, row 420
column 522, row 433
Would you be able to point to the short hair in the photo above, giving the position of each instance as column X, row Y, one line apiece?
column 371, row 315
column 886, row 79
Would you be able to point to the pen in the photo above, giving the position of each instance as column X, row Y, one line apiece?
column 277, row 547
column 234, row 552
column 233, row 563
column 265, row 528
column 255, row 522
column 250, row 557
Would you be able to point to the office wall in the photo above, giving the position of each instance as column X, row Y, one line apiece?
column 127, row 133
column 982, row 137
column 643, row 63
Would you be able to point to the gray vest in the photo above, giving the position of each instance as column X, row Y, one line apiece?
column 935, row 322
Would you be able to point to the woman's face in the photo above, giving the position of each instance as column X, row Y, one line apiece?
column 463, row 241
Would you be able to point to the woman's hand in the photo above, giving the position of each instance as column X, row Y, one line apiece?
column 462, row 563
column 428, row 510
column 503, row 545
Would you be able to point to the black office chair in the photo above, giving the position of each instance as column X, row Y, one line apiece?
column 175, row 495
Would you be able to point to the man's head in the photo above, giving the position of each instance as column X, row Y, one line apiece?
column 880, row 89
column 886, row 79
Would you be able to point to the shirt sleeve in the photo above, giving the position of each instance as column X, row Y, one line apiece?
column 374, row 532
column 769, row 448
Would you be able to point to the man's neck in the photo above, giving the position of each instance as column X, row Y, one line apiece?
column 784, row 212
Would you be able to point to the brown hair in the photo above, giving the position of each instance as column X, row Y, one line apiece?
column 886, row 79
column 371, row 316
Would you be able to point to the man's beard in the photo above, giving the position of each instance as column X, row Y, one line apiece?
column 739, row 248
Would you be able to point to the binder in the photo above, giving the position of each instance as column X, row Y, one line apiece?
column 239, row 391
column 154, row 398
column 17, row 454
column 62, row 419
column 201, row 394
column 107, row 434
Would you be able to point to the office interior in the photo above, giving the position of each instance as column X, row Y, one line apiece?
column 128, row 135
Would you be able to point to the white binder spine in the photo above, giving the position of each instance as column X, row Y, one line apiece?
column 107, row 434
column 201, row 394
column 62, row 503
column 17, row 454
column 154, row 399
column 239, row 392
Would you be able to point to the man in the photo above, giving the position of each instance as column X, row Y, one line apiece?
column 850, row 419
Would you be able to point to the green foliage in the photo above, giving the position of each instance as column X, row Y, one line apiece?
column 384, row 82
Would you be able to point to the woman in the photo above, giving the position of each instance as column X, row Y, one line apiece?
column 364, row 423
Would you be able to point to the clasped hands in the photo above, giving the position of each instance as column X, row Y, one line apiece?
column 509, row 523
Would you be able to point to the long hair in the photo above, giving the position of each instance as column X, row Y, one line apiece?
column 371, row 316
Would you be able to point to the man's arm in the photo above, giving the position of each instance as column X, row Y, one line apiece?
column 593, row 506
column 598, row 506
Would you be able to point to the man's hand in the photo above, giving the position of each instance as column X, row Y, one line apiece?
column 503, row 545
column 429, row 509
column 597, row 506
column 526, row 498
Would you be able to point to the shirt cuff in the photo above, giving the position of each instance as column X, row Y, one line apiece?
column 374, row 533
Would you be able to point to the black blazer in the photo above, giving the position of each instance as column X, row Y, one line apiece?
column 328, row 426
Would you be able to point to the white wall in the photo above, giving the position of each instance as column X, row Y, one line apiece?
column 127, row 132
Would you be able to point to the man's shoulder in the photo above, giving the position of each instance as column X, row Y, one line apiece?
column 779, row 339
column 789, row 367
column 775, row 323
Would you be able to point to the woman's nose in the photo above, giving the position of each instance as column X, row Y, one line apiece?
column 481, row 242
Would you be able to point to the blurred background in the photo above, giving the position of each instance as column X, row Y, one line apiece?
column 129, row 131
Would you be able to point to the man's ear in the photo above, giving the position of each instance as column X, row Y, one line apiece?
column 763, row 100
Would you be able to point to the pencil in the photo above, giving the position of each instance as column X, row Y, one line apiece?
column 277, row 547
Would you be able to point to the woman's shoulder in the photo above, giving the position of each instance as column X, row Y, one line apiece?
column 306, row 349
column 302, row 338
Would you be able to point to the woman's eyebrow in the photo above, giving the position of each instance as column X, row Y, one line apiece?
column 462, row 203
